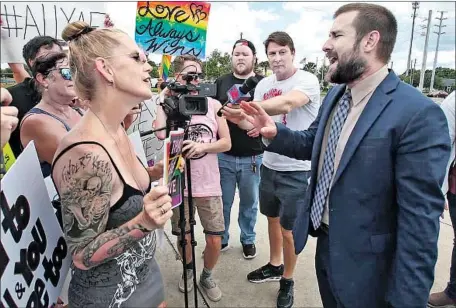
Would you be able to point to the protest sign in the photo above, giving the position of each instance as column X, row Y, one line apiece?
column 34, row 257
column 8, row 157
column 153, row 147
column 135, row 139
column 172, row 165
column 172, row 28
column 22, row 21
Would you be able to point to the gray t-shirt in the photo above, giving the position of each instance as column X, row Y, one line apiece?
column 298, row 119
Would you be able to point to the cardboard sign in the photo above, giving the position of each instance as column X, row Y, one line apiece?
column 34, row 256
column 22, row 21
column 152, row 146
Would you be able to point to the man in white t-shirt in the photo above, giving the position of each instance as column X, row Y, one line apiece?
column 291, row 96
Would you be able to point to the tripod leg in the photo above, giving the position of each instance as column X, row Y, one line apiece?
column 192, row 221
column 183, row 242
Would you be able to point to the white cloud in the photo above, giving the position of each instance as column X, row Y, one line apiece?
column 311, row 30
column 228, row 20
column 309, row 34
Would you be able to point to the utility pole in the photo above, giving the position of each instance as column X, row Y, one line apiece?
column 415, row 6
column 423, row 64
column 413, row 72
column 322, row 71
column 392, row 62
column 437, row 47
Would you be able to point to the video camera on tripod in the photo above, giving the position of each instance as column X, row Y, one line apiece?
column 181, row 105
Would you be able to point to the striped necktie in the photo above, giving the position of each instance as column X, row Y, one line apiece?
column 327, row 171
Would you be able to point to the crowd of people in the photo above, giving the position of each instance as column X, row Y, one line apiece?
column 368, row 170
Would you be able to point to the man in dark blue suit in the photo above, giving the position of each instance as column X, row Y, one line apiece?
column 378, row 161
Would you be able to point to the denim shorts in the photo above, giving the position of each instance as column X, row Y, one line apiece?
column 282, row 193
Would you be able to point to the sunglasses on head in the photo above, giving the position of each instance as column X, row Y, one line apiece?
column 64, row 72
column 192, row 76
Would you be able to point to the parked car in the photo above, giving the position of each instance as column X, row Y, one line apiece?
column 438, row 93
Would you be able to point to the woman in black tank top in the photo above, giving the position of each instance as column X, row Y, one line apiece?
column 109, row 211
column 53, row 78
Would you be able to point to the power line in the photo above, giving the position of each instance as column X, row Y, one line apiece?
column 437, row 46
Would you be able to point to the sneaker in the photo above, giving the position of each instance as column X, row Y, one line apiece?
column 212, row 290
column 189, row 281
column 441, row 300
column 249, row 251
column 266, row 273
column 285, row 295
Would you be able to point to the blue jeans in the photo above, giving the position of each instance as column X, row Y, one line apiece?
column 235, row 170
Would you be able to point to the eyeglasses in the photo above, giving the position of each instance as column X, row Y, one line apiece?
column 65, row 72
column 192, row 76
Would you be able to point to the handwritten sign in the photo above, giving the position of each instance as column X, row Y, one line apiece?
column 172, row 28
column 34, row 257
column 22, row 21
column 153, row 147
column 8, row 156
column 135, row 139
column 172, row 160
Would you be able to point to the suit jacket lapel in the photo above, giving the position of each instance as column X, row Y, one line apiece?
column 372, row 110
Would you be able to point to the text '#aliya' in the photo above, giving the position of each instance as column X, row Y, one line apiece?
column 25, row 21
column 176, row 28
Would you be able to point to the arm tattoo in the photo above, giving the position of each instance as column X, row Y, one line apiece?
column 86, row 195
column 119, row 240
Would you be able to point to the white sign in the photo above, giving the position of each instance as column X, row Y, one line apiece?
column 135, row 138
column 22, row 21
column 34, row 257
column 153, row 147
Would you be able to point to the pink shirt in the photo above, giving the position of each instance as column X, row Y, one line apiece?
column 205, row 171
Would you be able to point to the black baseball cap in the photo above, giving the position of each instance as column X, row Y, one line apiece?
column 245, row 43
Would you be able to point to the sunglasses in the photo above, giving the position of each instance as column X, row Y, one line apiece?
column 64, row 72
column 138, row 57
column 192, row 76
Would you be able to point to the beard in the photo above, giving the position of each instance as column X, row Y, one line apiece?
column 347, row 70
column 247, row 69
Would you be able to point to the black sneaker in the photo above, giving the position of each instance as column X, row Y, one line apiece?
column 249, row 251
column 266, row 273
column 285, row 296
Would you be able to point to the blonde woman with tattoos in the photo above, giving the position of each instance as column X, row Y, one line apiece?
column 109, row 210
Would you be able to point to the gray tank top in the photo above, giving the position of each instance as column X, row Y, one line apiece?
column 129, row 279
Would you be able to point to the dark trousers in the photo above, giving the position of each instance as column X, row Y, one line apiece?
column 323, row 270
column 451, row 288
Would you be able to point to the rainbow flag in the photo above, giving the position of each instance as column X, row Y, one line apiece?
column 172, row 28
column 164, row 68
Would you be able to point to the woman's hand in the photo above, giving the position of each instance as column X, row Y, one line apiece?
column 157, row 208
column 156, row 171
column 193, row 149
